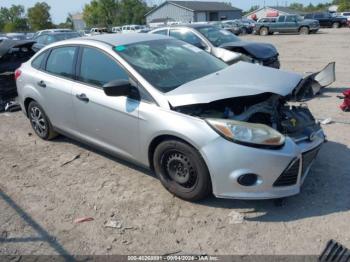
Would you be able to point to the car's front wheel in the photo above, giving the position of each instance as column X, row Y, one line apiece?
column 182, row 170
column 40, row 122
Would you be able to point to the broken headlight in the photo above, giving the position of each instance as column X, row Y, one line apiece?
column 247, row 133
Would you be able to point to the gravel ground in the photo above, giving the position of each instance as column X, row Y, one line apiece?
column 45, row 186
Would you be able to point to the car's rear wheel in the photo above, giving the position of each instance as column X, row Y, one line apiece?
column 40, row 122
column 182, row 170
column 336, row 25
column 304, row 30
column 264, row 31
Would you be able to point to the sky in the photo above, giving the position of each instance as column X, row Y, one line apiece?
column 61, row 8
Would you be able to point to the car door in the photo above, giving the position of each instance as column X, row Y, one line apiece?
column 279, row 26
column 108, row 122
column 291, row 24
column 322, row 19
column 54, row 83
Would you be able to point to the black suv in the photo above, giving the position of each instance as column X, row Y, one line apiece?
column 327, row 20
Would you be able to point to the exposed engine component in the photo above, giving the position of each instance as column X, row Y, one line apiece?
column 269, row 109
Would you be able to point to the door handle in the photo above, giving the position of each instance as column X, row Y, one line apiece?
column 42, row 83
column 82, row 97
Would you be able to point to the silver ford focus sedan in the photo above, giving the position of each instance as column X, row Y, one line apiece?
column 201, row 125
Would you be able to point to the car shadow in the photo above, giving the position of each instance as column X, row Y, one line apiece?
column 42, row 234
column 325, row 191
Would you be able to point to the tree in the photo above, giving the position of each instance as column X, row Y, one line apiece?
column 344, row 5
column 12, row 19
column 39, row 16
column 114, row 12
column 68, row 24
column 132, row 12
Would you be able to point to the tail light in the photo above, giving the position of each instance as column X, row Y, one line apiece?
column 17, row 74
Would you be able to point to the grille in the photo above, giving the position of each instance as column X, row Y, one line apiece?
column 308, row 157
column 290, row 176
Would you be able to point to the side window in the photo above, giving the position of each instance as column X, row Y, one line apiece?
column 60, row 61
column 281, row 19
column 37, row 62
column 162, row 32
column 290, row 19
column 186, row 36
column 317, row 16
column 50, row 39
column 98, row 68
column 308, row 16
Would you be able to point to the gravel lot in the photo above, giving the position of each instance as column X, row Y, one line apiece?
column 41, row 196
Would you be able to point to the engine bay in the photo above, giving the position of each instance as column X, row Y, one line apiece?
column 295, row 121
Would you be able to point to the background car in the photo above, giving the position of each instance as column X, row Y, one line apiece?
column 48, row 38
column 327, row 20
column 286, row 24
column 232, row 27
column 53, row 30
column 12, row 54
column 223, row 44
column 131, row 29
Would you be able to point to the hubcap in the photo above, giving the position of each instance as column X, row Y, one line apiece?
column 180, row 169
column 38, row 121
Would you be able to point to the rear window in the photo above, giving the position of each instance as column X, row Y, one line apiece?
column 60, row 61
column 37, row 62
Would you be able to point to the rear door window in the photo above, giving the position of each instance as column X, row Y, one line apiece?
column 98, row 68
column 37, row 62
column 281, row 19
column 61, row 61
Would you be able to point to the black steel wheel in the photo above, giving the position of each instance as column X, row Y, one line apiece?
column 182, row 170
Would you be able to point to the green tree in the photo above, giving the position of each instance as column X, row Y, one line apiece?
column 39, row 16
column 296, row 6
column 344, row 5
column 132, row 12
column 12, row 19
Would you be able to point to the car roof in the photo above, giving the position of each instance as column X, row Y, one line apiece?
column 124, row 39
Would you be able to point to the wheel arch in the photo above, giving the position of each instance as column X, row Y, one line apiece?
column 163, row 137
column 26, row 103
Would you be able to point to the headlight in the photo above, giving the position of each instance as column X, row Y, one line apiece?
column 247, row 133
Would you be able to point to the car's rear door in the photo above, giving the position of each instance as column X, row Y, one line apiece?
column 108, row 122
column 54, row 82
column 279, row 26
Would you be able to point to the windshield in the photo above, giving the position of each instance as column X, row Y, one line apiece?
column 169, row 63
column 217, row 36
column 60, row 37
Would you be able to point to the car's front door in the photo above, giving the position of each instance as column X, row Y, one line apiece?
column 279, row 26
column 108, row 122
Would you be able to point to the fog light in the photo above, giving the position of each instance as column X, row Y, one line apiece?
column 247, row 179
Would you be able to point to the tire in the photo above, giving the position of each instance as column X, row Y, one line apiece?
column 40, row 122
column 244, row 31
column 182, row 170
column 304, row 30
column 264, row 31
column 335, row 25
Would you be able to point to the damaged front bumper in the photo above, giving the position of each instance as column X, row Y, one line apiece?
column 269, row 165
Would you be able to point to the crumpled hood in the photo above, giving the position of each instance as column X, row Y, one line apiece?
column 237, row 80
column 257, row 50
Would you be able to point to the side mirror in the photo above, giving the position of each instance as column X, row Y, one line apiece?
column 120, row 87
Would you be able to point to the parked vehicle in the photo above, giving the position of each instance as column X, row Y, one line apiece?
column 48, row 38
column 287, row 24
column 347, row 15
column 232, row 27
column 54, row 30
column 116, row 29
column 327, row 20
column 244, row 27
column 131, row 29
column 223, row 44
column 16, row 36
column 12, row 54
column 98, row 31
column 170, row 106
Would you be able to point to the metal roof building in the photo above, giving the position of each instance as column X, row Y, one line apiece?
column 193, row 11
column 271, row 11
